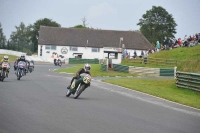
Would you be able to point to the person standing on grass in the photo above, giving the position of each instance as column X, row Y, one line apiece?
column 158, row 45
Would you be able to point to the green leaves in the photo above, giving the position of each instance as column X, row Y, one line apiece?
column 157, row 25
column 2, row 39
column 36, row 27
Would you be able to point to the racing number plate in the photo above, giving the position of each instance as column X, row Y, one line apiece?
column 86, row 79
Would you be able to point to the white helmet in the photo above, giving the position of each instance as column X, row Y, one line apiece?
column 87, row 67
column 23, row 56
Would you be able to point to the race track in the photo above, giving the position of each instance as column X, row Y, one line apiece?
column 37, row 104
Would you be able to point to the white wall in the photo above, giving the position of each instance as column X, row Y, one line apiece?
column 11, row 52
column 87, row 52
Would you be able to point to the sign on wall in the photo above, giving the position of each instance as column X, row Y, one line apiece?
column 64, row 50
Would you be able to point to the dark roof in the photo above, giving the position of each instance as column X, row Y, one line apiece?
column 96, row 38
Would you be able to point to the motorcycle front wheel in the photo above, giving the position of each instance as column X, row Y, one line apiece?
column 3, row 76
column 18, row 76
column 79, row 91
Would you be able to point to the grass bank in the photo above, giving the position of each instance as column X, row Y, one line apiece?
column 188, row 59
column 11, row 57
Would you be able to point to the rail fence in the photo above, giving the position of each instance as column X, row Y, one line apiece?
column 188, row 80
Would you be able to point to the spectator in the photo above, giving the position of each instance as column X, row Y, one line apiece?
column 142, row 54
column 169, row 44
column 162, row 47
column 196, row 37
column 134, row 55
column 158, row 45
column 199, row 38
column 145, row 56
column 125, row 53
column 185, row 41
column 175, row 44
column 180, row 42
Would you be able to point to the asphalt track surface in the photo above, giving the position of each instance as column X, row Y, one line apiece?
column 38, row 104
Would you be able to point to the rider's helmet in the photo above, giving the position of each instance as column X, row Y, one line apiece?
column 5, row 58
column 87, row 67
column 22, row 56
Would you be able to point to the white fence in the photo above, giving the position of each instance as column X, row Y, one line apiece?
column 11, row 52
column 34, row 58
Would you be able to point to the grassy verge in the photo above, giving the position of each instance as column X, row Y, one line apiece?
column 161, row 88
column 95, row 71
column 11, row 57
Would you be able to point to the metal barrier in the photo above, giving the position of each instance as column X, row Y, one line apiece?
column 121, row 68
column 188, row 80
column 82, row 61
column 104, row 67
column 154, row 61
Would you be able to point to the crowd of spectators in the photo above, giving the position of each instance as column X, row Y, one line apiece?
column 187, row 41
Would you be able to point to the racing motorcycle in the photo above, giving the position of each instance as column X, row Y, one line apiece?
column 27, row 67
column 58, row 62
column 3, row 70
column 21, row 69
column 31, row 67
column 79, row 85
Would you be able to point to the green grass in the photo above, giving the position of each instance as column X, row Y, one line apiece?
column 95, row 71
column 11, row 57
column 188, row 59
column 161, row 88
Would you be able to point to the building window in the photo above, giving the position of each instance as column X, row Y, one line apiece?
column 73, row 48
column 50, row 47
column 53, row 47
column 95, row 49
column 47, row 47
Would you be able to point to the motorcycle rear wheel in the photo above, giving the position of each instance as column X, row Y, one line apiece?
column 68, row 93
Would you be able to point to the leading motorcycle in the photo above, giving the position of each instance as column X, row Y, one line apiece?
column 21, row 69
column 3, row 69
column 79, row 85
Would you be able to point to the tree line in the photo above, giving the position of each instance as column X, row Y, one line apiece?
column 156, row 25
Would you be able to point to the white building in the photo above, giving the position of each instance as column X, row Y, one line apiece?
column 89, row 43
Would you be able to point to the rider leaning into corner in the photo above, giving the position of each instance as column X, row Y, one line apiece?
column 6, row 60
column 86, row 69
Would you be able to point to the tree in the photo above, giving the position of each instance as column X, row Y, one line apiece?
column 79, row 26
column 83, row 25
column 157, row 25
column 34, row 32
column 2, row 39
column 21, row 39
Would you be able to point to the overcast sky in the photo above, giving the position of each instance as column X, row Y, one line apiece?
column 104, row 14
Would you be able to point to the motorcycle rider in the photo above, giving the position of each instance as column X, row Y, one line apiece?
column 86, row 69
column 55, row 61
column 15, row 64
column 22, row 58
column 6, row 60
column 32, row 62
column 27, row 64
